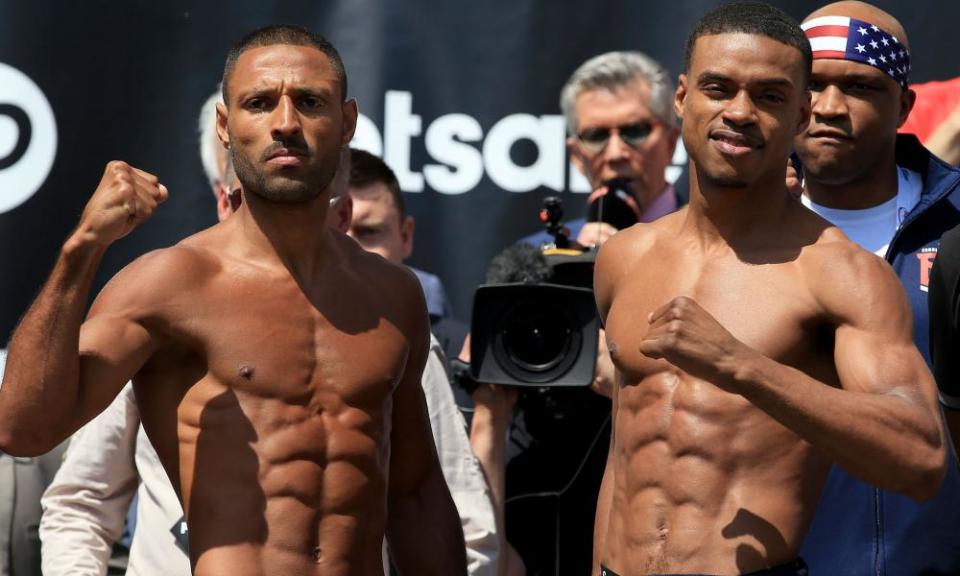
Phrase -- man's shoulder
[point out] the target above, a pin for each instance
(630, 248)
(642, 237)
(389, 283)
(845, 277)
(160, 271)
(161, 285)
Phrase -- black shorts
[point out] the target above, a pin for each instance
(795, 568)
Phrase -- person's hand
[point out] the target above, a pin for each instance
(944, 142)
(124, 199)
(595, 234)
(491, 402)
(690, 338)
(495, 402)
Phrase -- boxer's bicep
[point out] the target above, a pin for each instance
(874, 350)
(115, 340)
(112, 349)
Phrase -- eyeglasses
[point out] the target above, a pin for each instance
(633, 135)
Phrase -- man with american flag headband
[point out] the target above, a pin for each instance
(894, 198)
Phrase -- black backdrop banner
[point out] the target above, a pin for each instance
(461, 98)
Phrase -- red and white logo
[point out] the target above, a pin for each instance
(926, 257)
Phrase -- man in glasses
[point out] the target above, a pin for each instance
(622, 131)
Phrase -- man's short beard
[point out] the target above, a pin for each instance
(278, 189)
(722, 182)
(829, 173)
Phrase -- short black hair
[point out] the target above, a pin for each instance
(751, 18)
(367, 170)
(289, 35)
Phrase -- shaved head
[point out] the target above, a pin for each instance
(867, 13)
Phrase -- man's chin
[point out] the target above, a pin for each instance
(288, 192)
(726, 182)
(827, 169)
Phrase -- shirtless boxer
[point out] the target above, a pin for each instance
(754, 343)
(276, 364)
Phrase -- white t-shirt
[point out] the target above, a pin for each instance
(873, 228)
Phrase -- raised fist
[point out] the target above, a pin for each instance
(690, 338)
(124, 198)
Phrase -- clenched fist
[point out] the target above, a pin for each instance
(690, 338)
(124, 198)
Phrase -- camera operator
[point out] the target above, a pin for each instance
(537, 342)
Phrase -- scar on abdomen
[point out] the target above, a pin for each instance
(246, 372)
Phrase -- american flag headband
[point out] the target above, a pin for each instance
(845, 38)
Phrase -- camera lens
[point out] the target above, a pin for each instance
(538, 340)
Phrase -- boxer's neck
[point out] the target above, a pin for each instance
(872, 187)
(295, 234)
(736, 216)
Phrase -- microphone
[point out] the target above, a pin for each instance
(617, 206)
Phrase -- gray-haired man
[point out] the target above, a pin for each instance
(621, 126)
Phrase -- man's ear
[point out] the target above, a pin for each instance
(907, 99)
(224, 209)
(349, 113)
(406, 234)
(344, 207)
(222, 134)
(680, 95)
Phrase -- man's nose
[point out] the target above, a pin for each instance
(829, 102)
(286, 119)
(616, 148)
(740, 110)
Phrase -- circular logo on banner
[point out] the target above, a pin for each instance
(28, 138)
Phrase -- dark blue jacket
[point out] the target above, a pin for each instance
(858, 529)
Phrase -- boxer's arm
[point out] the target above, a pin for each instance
(882, 425)
(85, 507)
(49, 390)
(423, 526)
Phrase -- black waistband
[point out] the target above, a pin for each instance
(793, 568)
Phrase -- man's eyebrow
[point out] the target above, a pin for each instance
(712, 77)
(849, 78)
(321, 91)
(254, 93)
(775, 81)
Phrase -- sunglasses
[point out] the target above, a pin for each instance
(633, 135)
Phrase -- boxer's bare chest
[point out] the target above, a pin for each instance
(767, 306)
(270, 337)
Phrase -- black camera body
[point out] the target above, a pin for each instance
(535, 323)
(534, 335)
